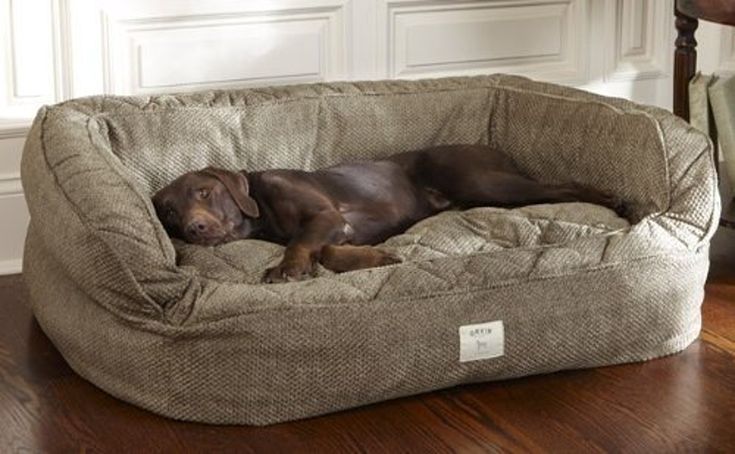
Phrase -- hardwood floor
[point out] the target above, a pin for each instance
(684, 402)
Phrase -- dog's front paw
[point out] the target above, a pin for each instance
(387, 258)
(288, 272)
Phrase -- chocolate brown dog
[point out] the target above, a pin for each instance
(333, 215)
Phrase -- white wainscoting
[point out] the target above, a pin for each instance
(219, 50)
(641, 40)
(51, 50)
(449, 38)
(140, 47)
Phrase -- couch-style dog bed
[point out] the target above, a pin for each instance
(190, 332)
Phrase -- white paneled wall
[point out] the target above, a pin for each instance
(546, 39)
(640, 39)
(51, 50)
(139, 46)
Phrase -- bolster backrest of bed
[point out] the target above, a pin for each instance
(662, 167)
(90, 165)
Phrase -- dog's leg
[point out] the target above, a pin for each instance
(509, 190)
(302, 253)
(516, 190)
(474, 179)
(346, 257)
(480, 186)
(472, 176)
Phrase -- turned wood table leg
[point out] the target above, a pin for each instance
(685, 62)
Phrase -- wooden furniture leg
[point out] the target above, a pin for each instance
(685, 62)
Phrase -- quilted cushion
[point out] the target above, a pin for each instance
(452, 233)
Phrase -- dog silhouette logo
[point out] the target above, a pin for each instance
(481, 341)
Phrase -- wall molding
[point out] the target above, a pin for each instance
(10, 185)
(14, 129)
(638, 42)
(62, 46)
(12, 266)
(558, 52)
(17, 110)
(124, 41)
(29, 52)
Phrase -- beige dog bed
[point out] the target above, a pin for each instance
(190, 332)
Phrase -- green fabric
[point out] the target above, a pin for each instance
(722, 98)
(699, 104)
(190, 333)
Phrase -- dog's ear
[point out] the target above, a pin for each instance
(238, 187)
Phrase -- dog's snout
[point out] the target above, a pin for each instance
(196, 227)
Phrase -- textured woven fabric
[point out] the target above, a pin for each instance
(190, 332)
(452, 233)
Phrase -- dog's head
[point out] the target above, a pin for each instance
(207, 207)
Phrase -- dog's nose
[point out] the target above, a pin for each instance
(196, 227)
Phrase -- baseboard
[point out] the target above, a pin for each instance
(13, 266)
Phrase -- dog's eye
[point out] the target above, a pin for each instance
(204, 193)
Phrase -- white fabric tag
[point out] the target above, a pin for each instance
(481, 341)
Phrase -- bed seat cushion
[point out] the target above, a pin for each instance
(451, 233)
